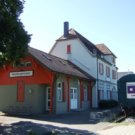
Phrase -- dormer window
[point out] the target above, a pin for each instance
(113, 60)
(94, 52)
(68, 49)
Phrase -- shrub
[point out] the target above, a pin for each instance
(106, 104)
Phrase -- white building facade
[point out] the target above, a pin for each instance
(96, 60)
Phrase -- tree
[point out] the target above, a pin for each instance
(13, 37)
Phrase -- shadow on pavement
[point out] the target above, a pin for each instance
(69, 118)
(26, 127)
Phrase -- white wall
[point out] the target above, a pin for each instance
(109, 58)
(79, 55)
(104, 77)
(59, 49)
(107, 81)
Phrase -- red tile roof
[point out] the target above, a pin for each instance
(104, 49)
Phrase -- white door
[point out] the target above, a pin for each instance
(73, 98)
(48, 100)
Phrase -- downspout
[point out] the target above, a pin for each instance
(55, 93)
(97, 80)
(117, 82)
(81, 93)
(68, 90)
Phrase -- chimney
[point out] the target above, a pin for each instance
(66, 28)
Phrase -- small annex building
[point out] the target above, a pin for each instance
(44, 83)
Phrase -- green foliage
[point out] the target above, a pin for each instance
(13, 37)
(105, 104)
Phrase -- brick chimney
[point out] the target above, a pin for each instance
(66, 28)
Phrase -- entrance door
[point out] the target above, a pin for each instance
(48, 100)
(73, 98)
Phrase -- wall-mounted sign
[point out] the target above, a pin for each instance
(21, 73)
(130, 90)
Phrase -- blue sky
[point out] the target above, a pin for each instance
(111, 22)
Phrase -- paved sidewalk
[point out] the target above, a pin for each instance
(21, 126)
(127, 127)
(69, 124)
(118, 130)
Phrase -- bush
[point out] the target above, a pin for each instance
(106, 104)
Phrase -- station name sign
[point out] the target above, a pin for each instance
(21, 73)
(130, 90)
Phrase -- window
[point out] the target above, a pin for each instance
(68, 49)
(100, 94)
(94, 52)
(101, 68)
(85, 93)
(59, 94)
(23, 64)
(108, 94)
(100, 90)
(20, 91)
(107, 71)
(73, 93)
(113, 60)
(114, 93)
(113, 74)
(108, 90)
(61, 91)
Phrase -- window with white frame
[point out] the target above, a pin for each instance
(108, 90)
(85, 93)
(100, 94)
(101, 90)
(59, 91)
